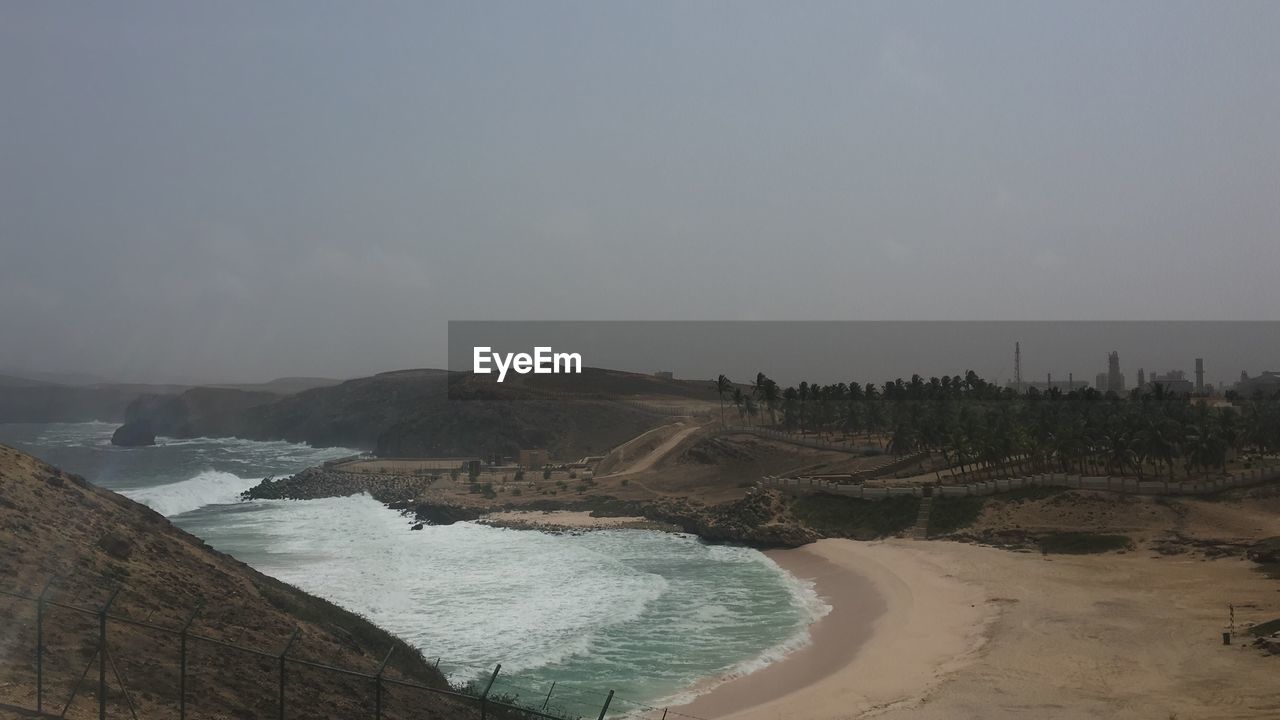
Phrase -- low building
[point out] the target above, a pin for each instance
(665, 375)
(1174, 381)
(534, 458)
(1267, 383)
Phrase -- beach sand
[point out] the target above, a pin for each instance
(941, 630)
(565, 520)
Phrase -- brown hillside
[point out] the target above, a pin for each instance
(94, 541)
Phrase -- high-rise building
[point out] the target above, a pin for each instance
(1115, 380)
(1199, 376)
(1142, 378)
(1100, 382)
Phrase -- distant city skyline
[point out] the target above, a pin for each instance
(833, 351)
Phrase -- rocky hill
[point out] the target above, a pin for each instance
(28, 402)
(433, 412)
(202, 411)
(35, 400)
(56, 525)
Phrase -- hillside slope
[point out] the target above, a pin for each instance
(53, 524)
(434, 412)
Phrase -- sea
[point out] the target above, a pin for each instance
(654, 616)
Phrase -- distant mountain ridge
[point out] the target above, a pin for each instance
(32, 399)
(430, 413)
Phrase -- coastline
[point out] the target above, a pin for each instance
(976, 631)
(888, 600)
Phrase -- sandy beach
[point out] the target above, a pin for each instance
(555, 520)
(942, 630)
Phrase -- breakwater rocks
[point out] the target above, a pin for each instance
(438, 513)
(759, 520)
(134, 434)
(319, 482)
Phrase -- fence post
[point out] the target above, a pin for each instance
(102, 655)
(605, 709)
(544, 702)
(40, 643)
(484, 697)
(182, 664)
(284, 652)
(377, 685)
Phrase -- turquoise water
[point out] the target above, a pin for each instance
(647, 614)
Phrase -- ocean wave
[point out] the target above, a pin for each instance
(211, 487)
(805, 598)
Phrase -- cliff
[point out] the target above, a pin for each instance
(53, 524)
(201, 411)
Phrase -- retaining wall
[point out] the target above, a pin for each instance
(1243, 478)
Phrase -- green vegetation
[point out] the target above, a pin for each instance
(840, 516)
(1083, 543)
(977, 425)
(950, 514)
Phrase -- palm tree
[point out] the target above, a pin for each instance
(723, 387)
(738, 400)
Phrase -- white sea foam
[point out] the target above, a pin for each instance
(211, 487)
(649, 614)
(805, 598)
(472, 594)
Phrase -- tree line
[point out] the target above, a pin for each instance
(971, 422)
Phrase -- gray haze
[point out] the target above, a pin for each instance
(237, 191)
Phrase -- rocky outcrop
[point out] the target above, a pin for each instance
(202, 411)
(1265, 551)
(134, 434)
(438, 513)
(759, 520)
(320, 482)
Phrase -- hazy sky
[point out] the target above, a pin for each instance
(239, 191)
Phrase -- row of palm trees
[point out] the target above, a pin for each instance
(972, 423)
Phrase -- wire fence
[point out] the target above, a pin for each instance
(196, 668)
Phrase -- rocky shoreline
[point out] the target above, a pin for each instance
(759, 520)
